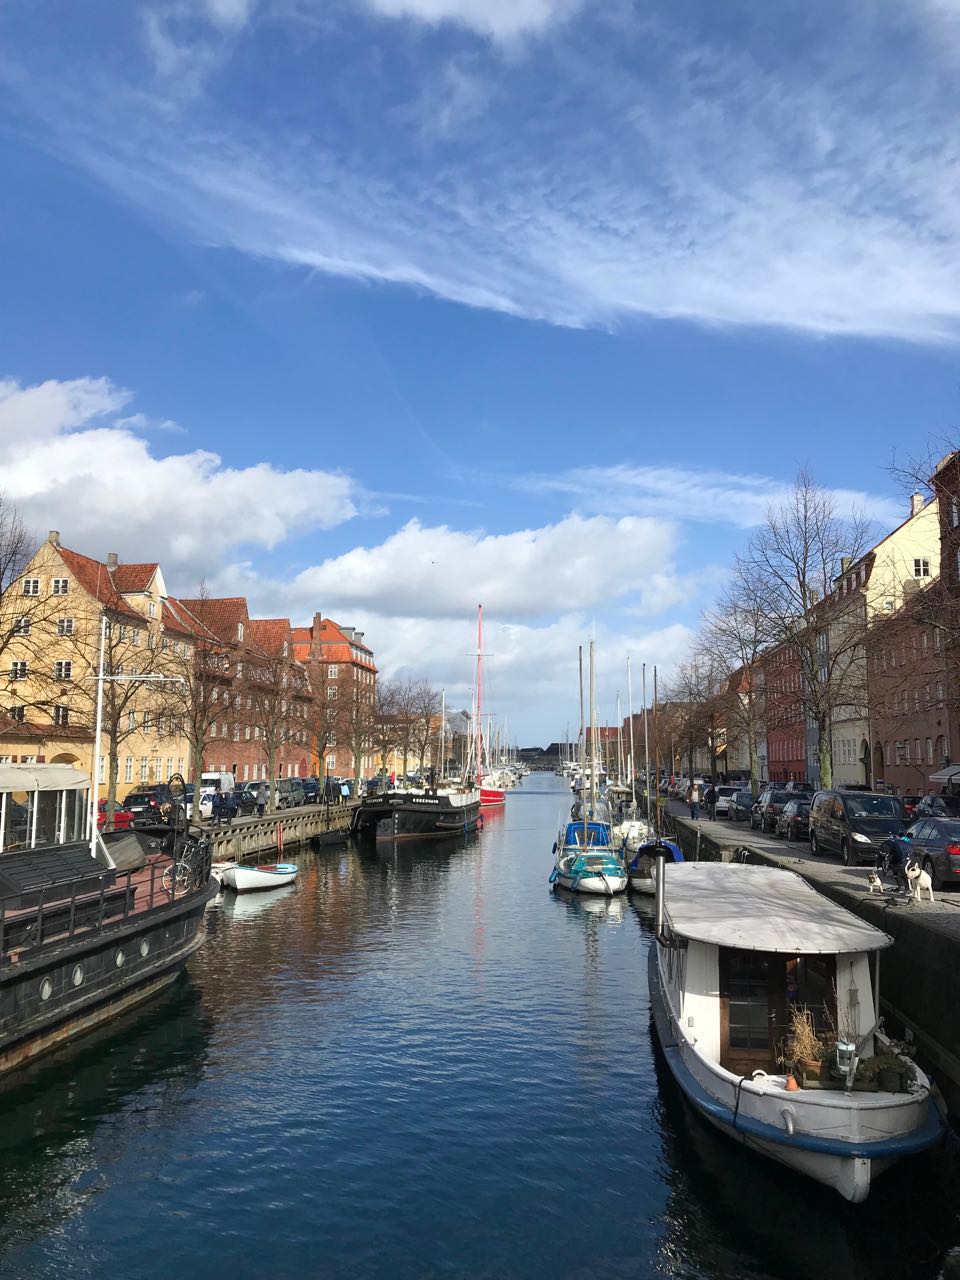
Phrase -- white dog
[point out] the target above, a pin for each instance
(920, 880)
(875, 883)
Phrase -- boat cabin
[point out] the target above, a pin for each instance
(584, 835)
(41, 805)
(747, 945)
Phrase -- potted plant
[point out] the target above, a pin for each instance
(803, 1047)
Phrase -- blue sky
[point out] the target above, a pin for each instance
(382, 307)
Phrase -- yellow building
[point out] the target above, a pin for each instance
(52, 616)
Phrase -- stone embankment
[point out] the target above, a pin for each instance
(919, 974)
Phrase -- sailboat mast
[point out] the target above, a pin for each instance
(478, 731)
(630, 715)
(443, 720)
(656, 748)
(619, 741)
(593, 734)
(583, 741)
(646, 750)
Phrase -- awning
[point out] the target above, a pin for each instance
(950, 774)
(42, 777)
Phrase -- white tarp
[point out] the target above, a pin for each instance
(755, 908)
(950, 774)
(42, 777)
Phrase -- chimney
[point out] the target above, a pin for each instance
(916, 504)
(845, 563)
(112, 560)
(53, 537)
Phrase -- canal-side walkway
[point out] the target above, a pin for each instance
(920, 974)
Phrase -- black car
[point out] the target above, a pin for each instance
(937, 807)
(242, 801)
(768, 808)
(853, 823)
(935, 844)
(153, 803)
(741, 806)
(806, 787)
(311, 790)
(793, 820)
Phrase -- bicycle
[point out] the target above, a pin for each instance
(185, 871)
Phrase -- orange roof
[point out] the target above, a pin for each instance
(220, 616)
(270, 634)
(134, 577)
(96, 580)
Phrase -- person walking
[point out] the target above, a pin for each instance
(261, 799)
(216, 809)
(710, 800)
(693, 800)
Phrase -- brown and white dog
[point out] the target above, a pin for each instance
(875, 883)
(920, 880)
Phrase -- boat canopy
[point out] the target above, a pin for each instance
(597, 812)
(586, 834)
(755, 908)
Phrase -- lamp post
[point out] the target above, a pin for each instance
(101, 680)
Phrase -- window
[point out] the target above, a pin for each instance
(936, 639)
(136, 638)
(898, 748)
(926, 696)
(954, 512)
(246, 734)
(886, 753)
(883, 659)
(236, 733)
(128, 769)
(180, 764)
(916, 750)
(59, 586)
(31, 586)
(239, 671)
(146, 722)
(144, 767)
(102, 770)
(906, 751)
(331, 692)
(61, 714)
(214, 694)
(939, 693)
(921, 568)
(169, 766)
(123, 631)
(131, 719)
(929, 751)
(893, 659)
(332, 671)
(18, 670)
(213, 729)
(331, 763)
(22, 626)
(916, 699)
(17, 713)
(239, 630)
(64, 626)
(888, 606)
(152, 609)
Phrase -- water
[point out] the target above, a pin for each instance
(419, 1063)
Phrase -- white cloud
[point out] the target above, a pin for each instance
(501, 19)
(105, 489)
(440, 572)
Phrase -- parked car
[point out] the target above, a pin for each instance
(724, 796)
(311, 790)
(153, 803)
(289, 793)
(741, 806)
(807, 787)
(853, 823)
(122, 818)
(767, 809)
(935, 844)
(793, 820)
(244, 801)
(938, 807)
(909, 804)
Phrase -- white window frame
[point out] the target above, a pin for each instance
(59, 586)
(19, 669)
(31, 587)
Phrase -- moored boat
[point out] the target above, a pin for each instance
(585, 860)
(421, 814)
(743, 953)
(642, 867)
(249, 879)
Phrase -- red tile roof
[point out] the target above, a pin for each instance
(133, 577)
(270, 634)
(95, 579)
(221, 616)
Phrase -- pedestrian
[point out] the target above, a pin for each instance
(693, 800)
(216, 808)
(261, 799)
(710, 800)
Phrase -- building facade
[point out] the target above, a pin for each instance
(343, 676)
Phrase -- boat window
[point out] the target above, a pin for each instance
(748, 975)
(47, 816)
(18, 820)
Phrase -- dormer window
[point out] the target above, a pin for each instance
(286, 649)
(239, 630)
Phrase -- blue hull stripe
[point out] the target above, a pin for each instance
(927, 1135)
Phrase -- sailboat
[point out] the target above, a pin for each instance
(586, 861)
(492, 794)
(642, 866)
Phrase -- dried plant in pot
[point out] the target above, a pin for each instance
(803, 1047)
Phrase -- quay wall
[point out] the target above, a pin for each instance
(249, 837)
(919, 974)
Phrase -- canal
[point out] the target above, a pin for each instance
(419, 1062)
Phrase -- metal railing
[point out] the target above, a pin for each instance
(64, 912)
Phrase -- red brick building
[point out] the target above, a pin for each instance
(343, 676)
(786, 720)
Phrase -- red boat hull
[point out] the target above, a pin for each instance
(490, 796)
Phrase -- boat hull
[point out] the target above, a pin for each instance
(425, 816)
(258, 879)
(154, 947)
(605, 885)
(492, 797)
(833, 1138)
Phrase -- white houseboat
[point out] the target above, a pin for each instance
(740, 951)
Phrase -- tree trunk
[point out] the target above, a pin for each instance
(272, 780)
(113, 773)
(823, 753)
(754, 760)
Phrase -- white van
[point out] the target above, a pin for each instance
(210, 782)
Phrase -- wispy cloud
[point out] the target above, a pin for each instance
(688, 493)
(619, 168)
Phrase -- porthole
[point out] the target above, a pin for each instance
(46, 989)
(77, 976)
(144, 946)
(119, 958)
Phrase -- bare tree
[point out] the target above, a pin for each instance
(202, 665)
(733, 637)
(426, 718)
(271, 681)
(792, 561)
(324, 723)
(694, 694)
(385, 721)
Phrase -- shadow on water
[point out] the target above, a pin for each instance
(55, 1150)
(796, 1228)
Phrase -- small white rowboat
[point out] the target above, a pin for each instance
(267, 876)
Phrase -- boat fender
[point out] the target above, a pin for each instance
(789, 1116)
